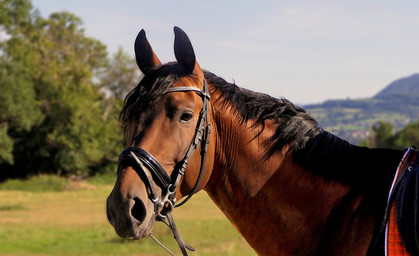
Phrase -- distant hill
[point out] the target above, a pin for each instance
(403, 86)
(397, 103)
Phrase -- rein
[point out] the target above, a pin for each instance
(152, 172)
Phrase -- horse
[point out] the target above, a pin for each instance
(287, 185)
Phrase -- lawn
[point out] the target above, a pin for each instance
(72, 221)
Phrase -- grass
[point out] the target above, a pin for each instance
(68, 218)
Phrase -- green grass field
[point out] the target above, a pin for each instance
(39, 217)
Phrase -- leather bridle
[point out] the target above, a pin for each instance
(152, 172)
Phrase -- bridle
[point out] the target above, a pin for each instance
(144, 163)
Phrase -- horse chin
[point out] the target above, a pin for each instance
(134, 230)
(126, 224)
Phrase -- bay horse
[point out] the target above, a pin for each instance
(288, 186)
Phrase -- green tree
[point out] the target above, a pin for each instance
(117, 79)
(121, 75)
(381, 136)
(52, 110)
(14, 14)
(67, 95)
(408, 136)
(18, 107)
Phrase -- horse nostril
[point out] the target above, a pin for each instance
(138, 210)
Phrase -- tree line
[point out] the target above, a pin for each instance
(382, 135)
(60, 95)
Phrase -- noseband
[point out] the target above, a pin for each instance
(144, 163)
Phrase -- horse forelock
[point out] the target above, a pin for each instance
(151, 87)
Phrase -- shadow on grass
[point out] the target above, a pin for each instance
(11, 207)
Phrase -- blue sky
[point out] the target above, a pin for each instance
(306, 51)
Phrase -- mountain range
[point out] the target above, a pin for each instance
(352, 119)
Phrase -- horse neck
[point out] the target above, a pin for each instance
(287, 205)
(335, 159)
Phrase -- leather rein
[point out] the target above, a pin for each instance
(152, 172)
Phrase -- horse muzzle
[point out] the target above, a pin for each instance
(130, 212)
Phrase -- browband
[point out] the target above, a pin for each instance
(190, 88)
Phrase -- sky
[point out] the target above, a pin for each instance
(305, 51)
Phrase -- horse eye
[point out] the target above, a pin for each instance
(186, 117)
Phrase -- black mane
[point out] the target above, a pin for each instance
(321, 152)
(295, 125)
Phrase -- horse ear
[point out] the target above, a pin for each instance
(184, 52)
(146, 58)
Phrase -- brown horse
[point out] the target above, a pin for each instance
(289, 187)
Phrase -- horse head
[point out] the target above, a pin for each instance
(166, 123)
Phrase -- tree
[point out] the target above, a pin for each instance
(13, 15)
(121, 75)
(66, 93)
(382, 136)
(52, 110)
(117, 79)
(18, 107)
(408, 136)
